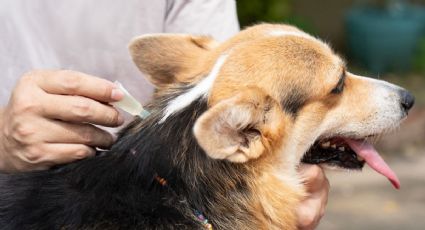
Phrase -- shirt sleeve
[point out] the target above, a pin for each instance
(216, 18)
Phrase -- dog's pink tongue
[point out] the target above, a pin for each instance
(373, 159)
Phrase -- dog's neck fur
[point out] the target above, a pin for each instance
(231, 195)
(118, 189)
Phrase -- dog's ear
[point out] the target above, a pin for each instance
(165, 58)
(242, 127)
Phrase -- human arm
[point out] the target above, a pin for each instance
(49, 119)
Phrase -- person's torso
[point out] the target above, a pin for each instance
(90, 36)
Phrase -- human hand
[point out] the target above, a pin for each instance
(49, 118)
(312, 208)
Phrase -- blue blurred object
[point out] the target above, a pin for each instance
(385, 39)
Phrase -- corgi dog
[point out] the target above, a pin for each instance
(229, 124)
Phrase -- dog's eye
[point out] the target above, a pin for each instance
(338, 89)
(340, 85)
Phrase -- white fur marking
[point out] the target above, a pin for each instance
(202, 88)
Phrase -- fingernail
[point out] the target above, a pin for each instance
(114, 138)
(120, 119)
(92, 152)
(117, 94)
(111, 141)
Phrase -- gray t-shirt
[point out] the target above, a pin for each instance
(91, 36)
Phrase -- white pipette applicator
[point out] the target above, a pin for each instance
(129, 104)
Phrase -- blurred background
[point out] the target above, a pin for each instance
(384, 39)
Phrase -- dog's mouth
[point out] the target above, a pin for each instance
(334, 152)
(349, 153)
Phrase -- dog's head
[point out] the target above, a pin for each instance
(274, 90)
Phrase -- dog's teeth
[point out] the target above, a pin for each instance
(326, 144)
(333, 146)
(342, 148)
(360, 158)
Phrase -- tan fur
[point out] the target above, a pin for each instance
(247, 121)
(275, 202)
(243, 127)
(184, 54)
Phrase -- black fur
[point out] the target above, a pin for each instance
(293, 101)
(117, 190)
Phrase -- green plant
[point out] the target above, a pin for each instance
(254, 11)
(420, 57)
(272, 11)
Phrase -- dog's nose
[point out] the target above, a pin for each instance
(407, 100)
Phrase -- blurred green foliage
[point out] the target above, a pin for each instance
(273, 11)
(254, 11)
(420, 57)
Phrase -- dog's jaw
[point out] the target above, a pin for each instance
(296, 70)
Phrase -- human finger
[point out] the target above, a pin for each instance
(45, 155)
(60, 153)
(313, 176)
(72, 133)
(309, 213)
(81, 109)
(67, 82)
